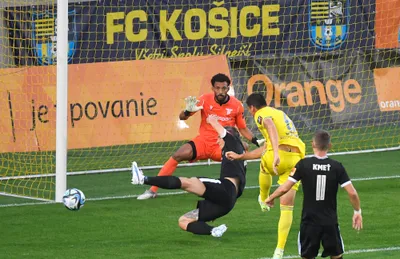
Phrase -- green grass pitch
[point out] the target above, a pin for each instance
(127, 228)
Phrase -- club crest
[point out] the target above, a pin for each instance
(44, 37)
(328, 23)
(259, 120)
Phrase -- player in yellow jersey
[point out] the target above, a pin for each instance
(282, 150)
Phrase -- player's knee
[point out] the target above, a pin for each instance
(189, 184)
(179, 157)
(185, 182)
(184, 153)
(337, 257)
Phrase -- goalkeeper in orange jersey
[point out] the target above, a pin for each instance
(230, 112)
(282, 150)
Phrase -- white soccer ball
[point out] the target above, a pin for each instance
(73, 199)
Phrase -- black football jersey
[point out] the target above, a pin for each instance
(235, 168)
(320, 177)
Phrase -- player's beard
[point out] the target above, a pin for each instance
(220, 98)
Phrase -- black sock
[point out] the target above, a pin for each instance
(165, 182)
(199, 228)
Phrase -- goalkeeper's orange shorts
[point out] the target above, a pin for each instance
(205, 149)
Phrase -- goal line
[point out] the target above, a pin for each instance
(209, 162)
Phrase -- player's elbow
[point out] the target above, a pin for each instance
(353, 195)
(351, 190)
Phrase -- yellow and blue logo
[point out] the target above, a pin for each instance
(328, 23)
(44, 37)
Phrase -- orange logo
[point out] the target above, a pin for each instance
(387, 24)
(299, 94)
(387, 81)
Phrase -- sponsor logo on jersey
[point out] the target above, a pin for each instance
(259, 120)
(222, 118)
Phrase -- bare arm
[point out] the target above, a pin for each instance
(272, 132)
(245, 132)
(353, 196)
(355, 202)
(273, 136)
(213, 121)
(284, 188)
(254, 154)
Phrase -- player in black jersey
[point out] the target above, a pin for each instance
(320, 177)
(219, 194)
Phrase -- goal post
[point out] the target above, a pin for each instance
(62, 99)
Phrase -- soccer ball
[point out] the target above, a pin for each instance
(73, 199)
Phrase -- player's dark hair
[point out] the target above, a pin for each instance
(322, 139)
(220, 78)
(257, 100)
(233, 131)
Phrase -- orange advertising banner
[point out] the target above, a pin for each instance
(110, 103)
(387, 24)
(387, 81)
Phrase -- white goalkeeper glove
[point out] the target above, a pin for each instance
(191, 104)
(257, 142)
(260, 141)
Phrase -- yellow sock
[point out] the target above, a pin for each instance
(284, 225)
(265, 182)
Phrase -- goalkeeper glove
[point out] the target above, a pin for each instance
(257, 142)
(191, 104)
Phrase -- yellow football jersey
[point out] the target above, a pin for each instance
(287, 132)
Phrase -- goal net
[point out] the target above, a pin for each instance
(328, 64)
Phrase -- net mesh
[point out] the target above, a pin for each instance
(327, 64)
(25, 125)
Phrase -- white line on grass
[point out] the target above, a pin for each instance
(360, 251)
(175, 193)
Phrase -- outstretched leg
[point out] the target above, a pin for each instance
(192, 185)
(184, 153)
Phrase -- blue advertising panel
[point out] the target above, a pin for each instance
(113, 30)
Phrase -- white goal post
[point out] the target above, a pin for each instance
(62, 99)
